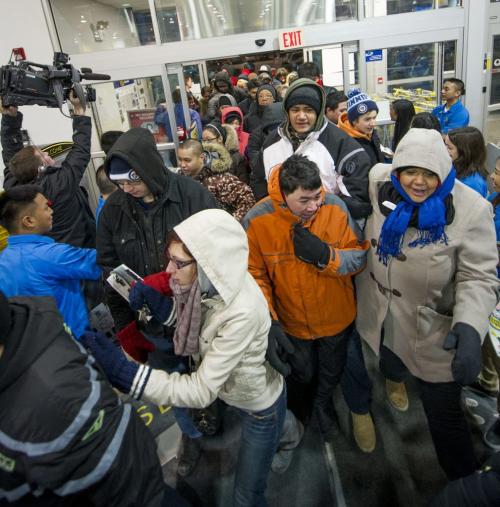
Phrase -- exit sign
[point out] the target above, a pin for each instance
(292, 39)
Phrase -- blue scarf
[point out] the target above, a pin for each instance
(431, 220)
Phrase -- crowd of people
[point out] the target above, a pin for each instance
(287, 236)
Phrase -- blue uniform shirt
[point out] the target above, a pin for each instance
(456, 117)
(477, 183)
(35, 265)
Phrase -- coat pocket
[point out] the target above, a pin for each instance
(127, 248)
(432, 327)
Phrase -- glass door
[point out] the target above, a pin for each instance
(491, 127)
(337, 63)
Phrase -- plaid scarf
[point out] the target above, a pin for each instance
(187, 330)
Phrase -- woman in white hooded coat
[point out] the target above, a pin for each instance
(223, 321)
(429, 286)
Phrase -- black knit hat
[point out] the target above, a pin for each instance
(270, 88)
(308, 95)
(5, 319)
(232, 115)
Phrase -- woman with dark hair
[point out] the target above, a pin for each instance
(223, 321)
(428, 288)
(468, 153)
(402, 112)
(425, 121)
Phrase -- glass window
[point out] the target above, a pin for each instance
(121, 105)
(407, 62)
(84, 26)
(182, 20)
(412, 72)
(374, 8)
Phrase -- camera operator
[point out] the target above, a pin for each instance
(73, 222)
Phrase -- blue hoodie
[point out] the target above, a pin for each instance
(35, 265)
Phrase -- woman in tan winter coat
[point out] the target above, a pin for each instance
(429, 286)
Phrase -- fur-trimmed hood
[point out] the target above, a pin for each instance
(218, 159)
(232, 143)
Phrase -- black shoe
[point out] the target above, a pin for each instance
(189, 454)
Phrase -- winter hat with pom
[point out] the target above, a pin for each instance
(359, 103)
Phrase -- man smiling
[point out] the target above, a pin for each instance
(342, 163)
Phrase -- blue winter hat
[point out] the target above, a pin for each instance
(119, 169)
(359, 103)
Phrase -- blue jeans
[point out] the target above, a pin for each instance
(163, 358)
(260, 436)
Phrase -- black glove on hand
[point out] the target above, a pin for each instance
(466, 364)
(278, 348)
(309, 248)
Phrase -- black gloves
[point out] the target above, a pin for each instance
(466, 364)
(278, 348)
(309, 248)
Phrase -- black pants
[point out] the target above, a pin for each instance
(449, 431)
(317, 366)
(355, 382)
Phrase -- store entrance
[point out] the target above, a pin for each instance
(290, 60)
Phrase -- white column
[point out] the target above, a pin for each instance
(475, 47)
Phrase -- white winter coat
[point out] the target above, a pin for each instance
(235, 325)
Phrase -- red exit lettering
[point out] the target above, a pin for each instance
(292, 39)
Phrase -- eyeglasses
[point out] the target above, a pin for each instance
(180, 264)
(121, 184)
(211, 140)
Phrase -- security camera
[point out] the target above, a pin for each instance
(260, 42)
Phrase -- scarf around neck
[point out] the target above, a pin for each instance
(431, 220)
(187, 330)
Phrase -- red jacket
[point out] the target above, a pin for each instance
(242, 135)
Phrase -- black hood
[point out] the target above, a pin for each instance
(223, 76)
(273, 115)
(35, 324)
(138, 148)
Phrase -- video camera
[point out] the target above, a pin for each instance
(27, 83)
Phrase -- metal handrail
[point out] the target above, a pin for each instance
(159, 147)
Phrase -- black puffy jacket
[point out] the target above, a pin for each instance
(65, 437)
(73, 221)
(128, 233)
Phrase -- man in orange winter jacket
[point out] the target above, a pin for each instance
(304, 250)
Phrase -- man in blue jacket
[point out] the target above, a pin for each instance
(33, 264)
(452, 114)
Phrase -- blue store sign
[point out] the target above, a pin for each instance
(374, 55)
